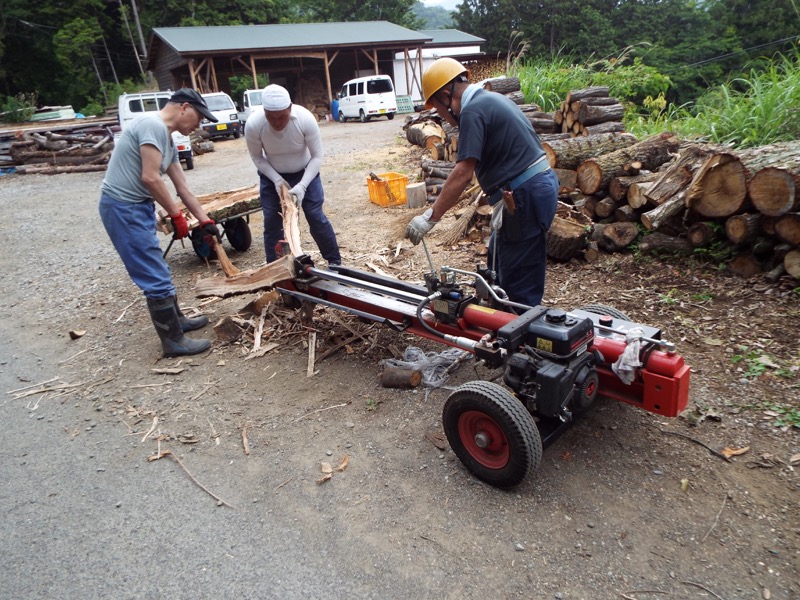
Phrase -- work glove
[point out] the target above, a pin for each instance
(179, 226)
(419, 226)
(298, 192)
(210, 231)
(279, 184)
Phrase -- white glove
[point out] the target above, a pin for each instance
(419, 226)
(298, 192)
(280, 183)
(628, 362)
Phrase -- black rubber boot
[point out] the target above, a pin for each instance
(189, 324)
(168, 326)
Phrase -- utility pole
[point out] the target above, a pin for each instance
(139, 29)
(124, 11)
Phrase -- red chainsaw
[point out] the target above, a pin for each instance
(554, 362)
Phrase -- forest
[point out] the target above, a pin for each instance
(86, 52)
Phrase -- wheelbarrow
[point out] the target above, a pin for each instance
(230, 209)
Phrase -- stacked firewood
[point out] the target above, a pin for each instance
(434, 173)
(589, 111)
(75, 148)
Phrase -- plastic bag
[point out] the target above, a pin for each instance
(435, 367)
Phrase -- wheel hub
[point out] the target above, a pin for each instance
(481, 440)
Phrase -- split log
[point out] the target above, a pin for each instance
(701, 234)
(291, 221)
(775, 187)
(654, 218)
(614, 237)
(400, 378)
(596, 173)
(425, 134)
(570, 153)
(587, 206)
(787, 228)
(618, 186)
(745, 265)
(252, 280)
(720, 187)
(637, 194)
(791, 262)
(742, 229)
(565, 239)
(658, 242)
(679, 174)
(217, 205)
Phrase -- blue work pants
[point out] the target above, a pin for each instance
(132, 229)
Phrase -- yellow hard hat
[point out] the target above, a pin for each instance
(441, 72)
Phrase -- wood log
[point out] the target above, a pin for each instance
(614, 237)
(252, 280)
(600, 128)
(626, 213)
(502, 85)
(605, 207)
(400, 378)
(425, 134)
(763, 248)
(567, 180)
(745, 265)
(618, 186)
(637, 194)
(291, 221)
(742, 229)
(438, 173)
(575, 105)
(775, 187)
(227, 266)
(791, 262)
(551, 137)
(571, 152)
(701, 234)
(768, 224)
(593, 114)
(720, 186)
(787, 228)
(653, 219)
(591, 253)
(596, 173)
(543, 126)
(56, 170)
(776, 273)
(427, 164)
(589, 92)
(679, 173)
(227, 330)
(587, 206)
(517, 98)
(658, 242)
(565, 239)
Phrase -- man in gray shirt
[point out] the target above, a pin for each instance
(132, 185)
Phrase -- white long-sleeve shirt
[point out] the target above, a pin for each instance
(297, 147)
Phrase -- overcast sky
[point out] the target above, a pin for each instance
(445, 4)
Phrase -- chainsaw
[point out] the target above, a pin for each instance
(554, 363)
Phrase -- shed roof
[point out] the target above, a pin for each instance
(450, 37)
(236, 38)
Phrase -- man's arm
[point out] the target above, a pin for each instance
(151, 178)
(252, 135)
(190, 201)
(314, 145)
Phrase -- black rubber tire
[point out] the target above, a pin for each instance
(362, 116)
(390, 116)
(342, 118)
(602, 309)
(203, 250)
(236, 135)
(190, 163)
(514, 447)
(238, 233)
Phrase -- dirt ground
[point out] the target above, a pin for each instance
(625, 505)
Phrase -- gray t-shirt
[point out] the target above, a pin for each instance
(123, 180)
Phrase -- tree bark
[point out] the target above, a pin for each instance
(680, 172)
(614, 237)
(565, 239)
(593, 114)
(596, 173)
(654, 218)
(618, 187)
(605, 207)
(400, 378)
(502, 85)
(425, 134)
(589, 92)
(637, 194)
(570, 153)
(659, 242)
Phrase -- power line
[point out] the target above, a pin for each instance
(716, 58)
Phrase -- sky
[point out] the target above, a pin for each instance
(446, 4)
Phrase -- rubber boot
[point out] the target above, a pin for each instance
(189, 324)
(168, 326)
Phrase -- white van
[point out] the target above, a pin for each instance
(367, 97)
(133, 105)
(251, 99)
(222, 107)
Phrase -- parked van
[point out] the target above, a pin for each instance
(222, 107)
(367, 97)
(251, 99)
(133, 105)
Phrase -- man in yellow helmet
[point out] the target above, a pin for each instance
(498, 145)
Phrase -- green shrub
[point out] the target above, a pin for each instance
(19, 108)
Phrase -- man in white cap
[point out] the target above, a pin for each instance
(285, 145)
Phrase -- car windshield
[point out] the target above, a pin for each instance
(219, 103)
(379, 86)
(255, 98)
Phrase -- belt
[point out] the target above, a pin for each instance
(535, 168)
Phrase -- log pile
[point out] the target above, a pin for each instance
(61, 149)
(589, 111)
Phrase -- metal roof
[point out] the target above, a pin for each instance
(450, 37)
(233, 38)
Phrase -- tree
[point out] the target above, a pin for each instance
(395, 11)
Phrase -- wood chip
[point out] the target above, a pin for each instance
(343, 465)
